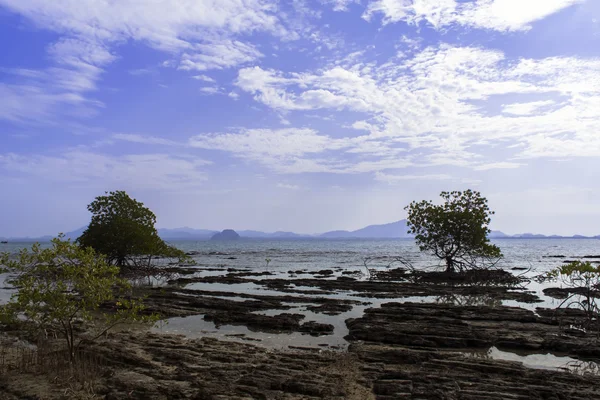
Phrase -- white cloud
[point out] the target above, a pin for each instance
(44, 95)
(436, 12)
(284, 121)
(204, 78)
(283, 150)
(199, 32)
(218, 55)
(30, 104)
(80, 53)
(198, 35)
(210, 90)
(388, 178)
(581, 144)
(499, 15)
(339, 5)
(510, 15)
(442, 105)
(170, 25)
(136, 171)
(268, 142)
(526, 108)
(142, 139)
(437, 105)
(498, 165)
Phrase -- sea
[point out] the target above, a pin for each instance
(285, 258)
(280, 256)
(539, 255)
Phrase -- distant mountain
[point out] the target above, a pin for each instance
(497, 235)
(336, 234)
(274, 235)
(46, 238)
(227, 234)
(73, 235)
(528, 236)
(281, 234)
(185, 233)
(253, 234)
(394, 230)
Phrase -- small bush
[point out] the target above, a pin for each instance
(582, 280)
(68, 290)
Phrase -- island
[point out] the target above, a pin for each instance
(227, 234)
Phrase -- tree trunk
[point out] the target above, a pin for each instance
(450, 264)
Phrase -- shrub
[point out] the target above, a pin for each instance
(61, 286)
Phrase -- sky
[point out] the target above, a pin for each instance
(299, 115)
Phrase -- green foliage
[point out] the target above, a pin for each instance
(582, 280)
(455, 231)
(61, 286)
(581, 273)
(123, 230)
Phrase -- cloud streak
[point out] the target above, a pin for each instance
(87, 169)
(498, 15)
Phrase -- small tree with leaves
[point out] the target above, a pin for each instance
(456, 231)
(65, 284)
(582, 283)
(123, 229)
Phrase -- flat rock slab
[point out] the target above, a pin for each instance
(459, 327)
(175, 368)
(436, 351)
(396, 372)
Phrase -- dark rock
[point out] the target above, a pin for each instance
(439, 326)
(316, 328)
(257, 322)
(324, 272)
(298, 272)
(563, 293)
(330, 308)
(390, 274)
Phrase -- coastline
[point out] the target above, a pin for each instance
(430, 339)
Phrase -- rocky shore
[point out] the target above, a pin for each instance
(459, 341)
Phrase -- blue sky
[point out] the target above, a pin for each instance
(302, 115)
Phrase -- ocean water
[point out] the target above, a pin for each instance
(315, 254)
(311, 254)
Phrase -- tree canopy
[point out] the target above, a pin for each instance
(66, 283)
(122, 229)
(455, 231)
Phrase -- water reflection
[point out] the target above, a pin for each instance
(548, 361)
(487, 300)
